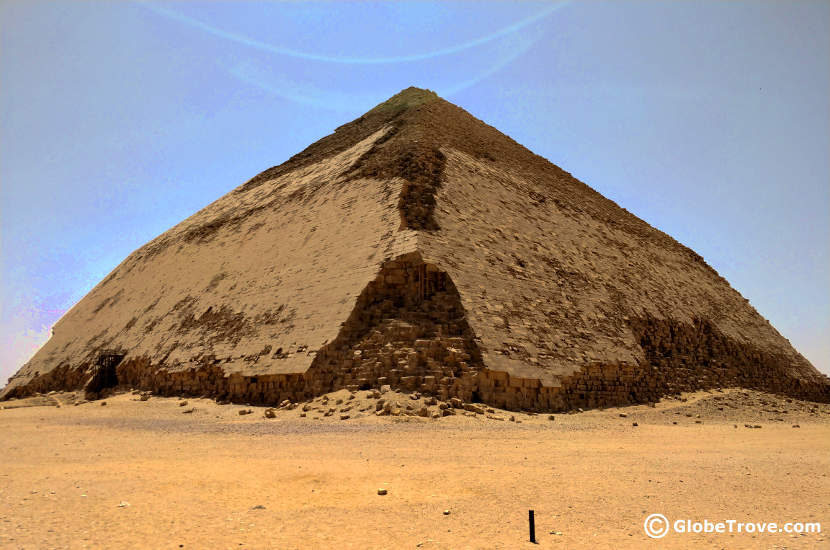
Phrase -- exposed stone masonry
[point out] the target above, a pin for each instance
(407, 330)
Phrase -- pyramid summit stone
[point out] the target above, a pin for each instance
(419, 248)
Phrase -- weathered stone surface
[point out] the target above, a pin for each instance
(420, 249)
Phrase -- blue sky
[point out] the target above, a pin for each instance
(710, 120)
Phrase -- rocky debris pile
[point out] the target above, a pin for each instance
(351, 404)
(749, 407)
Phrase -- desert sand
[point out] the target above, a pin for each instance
(162, 473)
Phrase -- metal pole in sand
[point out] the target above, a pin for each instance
(532, 523)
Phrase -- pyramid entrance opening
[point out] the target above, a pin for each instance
(105, 374)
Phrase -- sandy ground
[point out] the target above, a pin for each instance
(159, 474)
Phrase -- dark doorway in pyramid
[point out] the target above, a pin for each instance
(105, 375)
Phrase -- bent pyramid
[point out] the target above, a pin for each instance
(417, 247)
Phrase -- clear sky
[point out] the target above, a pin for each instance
(710, 120)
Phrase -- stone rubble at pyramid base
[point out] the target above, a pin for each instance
(600, 387)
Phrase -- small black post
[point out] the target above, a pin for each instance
(532, 523)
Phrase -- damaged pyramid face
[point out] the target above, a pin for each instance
(417, 247)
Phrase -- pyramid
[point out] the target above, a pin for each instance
(417, 247)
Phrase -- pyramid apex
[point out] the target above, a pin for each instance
(405, 99)
(414, 93)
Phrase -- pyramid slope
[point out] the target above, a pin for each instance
(558, 295)
(418, 246)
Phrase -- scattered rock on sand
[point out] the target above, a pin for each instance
(469, 407)
(381, 491)
(270, 413)
(245, 411)
(182, 403)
